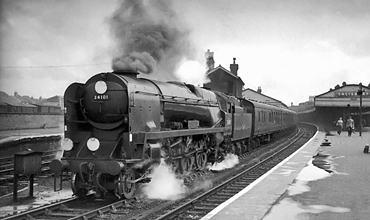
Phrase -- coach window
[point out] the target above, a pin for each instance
(270, 116)
(259, 116)
(265, 116)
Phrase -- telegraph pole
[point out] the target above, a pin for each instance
(359, 92)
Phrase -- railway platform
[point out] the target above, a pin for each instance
(15, 135)
(328, 178)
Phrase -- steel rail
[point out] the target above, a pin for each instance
(38, 211)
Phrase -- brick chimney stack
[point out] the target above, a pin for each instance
(259, 90)
(234, 67)
(209, 60)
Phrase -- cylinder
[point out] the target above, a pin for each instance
(115, 167)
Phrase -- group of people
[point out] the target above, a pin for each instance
(350, 125)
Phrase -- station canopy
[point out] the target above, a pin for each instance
(344, 96)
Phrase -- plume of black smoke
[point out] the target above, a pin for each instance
(149, 37)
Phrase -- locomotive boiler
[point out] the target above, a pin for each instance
(118, 126)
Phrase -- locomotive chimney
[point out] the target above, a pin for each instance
(127, 72)
(234, 67)
(209, 60)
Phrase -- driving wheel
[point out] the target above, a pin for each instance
(126, 187)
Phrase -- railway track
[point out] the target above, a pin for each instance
(193, 206)
(72, 208)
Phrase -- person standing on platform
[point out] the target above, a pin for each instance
(339, 125)
(350, 125)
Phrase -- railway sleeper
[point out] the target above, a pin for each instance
(215, 200)
(58, 214)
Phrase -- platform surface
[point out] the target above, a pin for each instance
(317, 182)
(14, 135)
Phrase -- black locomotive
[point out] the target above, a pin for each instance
(118, 125)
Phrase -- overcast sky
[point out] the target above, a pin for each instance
(293, 49)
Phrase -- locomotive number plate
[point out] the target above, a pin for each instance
(101, 97)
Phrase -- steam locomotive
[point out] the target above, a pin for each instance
(118, 126)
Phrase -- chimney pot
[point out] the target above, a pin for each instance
(209, 60)
(259, 90)
(234, 67)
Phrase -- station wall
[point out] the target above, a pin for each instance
(30, 121)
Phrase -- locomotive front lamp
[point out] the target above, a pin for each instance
(67, 144)
(101, 87)
(93, 144)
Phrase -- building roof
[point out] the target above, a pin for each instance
(275, 101)
(48, 104)
(301, 109)
(337, 88)
(55, 98)
(226, 71)
(11, 100)
(26, 101)
(18, 104)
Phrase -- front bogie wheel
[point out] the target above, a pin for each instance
(76, 183)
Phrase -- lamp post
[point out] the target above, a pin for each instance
(359, 92)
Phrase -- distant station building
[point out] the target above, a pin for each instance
(344, 101)
(27, 105)
(223, 80)
(53, 105)
(259, 97)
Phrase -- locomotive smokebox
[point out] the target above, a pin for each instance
(127, 72)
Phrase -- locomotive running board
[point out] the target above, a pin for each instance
(140, 137)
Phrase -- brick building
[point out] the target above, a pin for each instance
(223, 80)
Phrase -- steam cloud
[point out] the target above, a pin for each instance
(164, 184)
(230, 161)
(149, 37)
